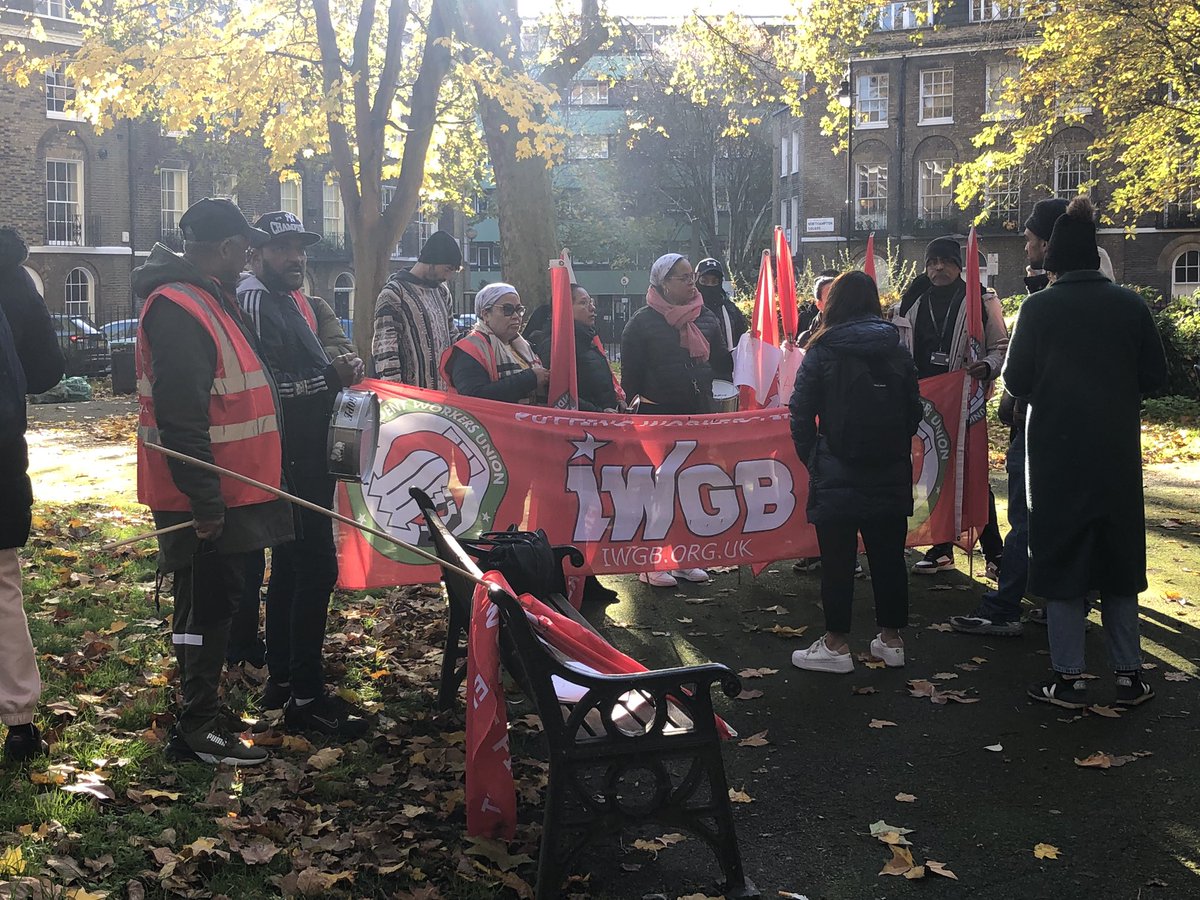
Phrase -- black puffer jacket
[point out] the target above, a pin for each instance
(592, 371)
(30, 361)
(654, 365)
(840, 490)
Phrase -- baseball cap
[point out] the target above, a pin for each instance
(708, 266)
(215, 220)
(280, 223)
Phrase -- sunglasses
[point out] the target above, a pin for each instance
(511, 309)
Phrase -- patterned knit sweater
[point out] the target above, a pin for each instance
(412, 330)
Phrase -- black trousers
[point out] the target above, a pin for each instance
(245, 644)
(991, 544)
(206, 594)
(884, 542)
(303, 574)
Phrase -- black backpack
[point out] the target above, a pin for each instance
(525, 559)
(865, 414)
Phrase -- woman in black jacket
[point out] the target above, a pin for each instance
(668, 352)
(30, 362)
(860, 382)
(594, 376)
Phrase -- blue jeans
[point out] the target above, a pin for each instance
(1004, 603)
(1066, 621)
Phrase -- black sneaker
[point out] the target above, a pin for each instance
(1132, 690)
(215, 748)
(1060, 692)
(328, 715)
(980, 622)
(275, 696)
(23, 743)
(806, 564)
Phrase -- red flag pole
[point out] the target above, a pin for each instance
(564, 383)
(785, 285)
(869, 262)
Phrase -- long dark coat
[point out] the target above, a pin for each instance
(1083, 353)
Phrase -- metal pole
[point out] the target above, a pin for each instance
(849, 153)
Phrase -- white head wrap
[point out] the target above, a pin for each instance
(663, 266)
(490, 294)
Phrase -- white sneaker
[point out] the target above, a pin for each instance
(698, 576)
(819, 658)
(658, 579)
(892, 656)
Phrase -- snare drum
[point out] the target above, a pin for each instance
(725, 396)
(353, 435)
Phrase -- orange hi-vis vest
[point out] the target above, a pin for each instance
(306, 309)
(476, 346)
(243, 426)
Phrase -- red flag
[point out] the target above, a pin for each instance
(564, 383)
(785, 283)
(756, 363)
(975, 461)
(869, 262)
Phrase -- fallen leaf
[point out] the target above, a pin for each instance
(939, 868)
(894, 838)
(914, 873)
(749, 695)
(497, 853)
(258, 852)
(906, 798)
(325, 758)
(900, 862)
(881, 827)
(864, 690)
(944, 676)
(880, 723)
(684, 621)
(995, 748)
(1102, 760)
(757, 673)
(740, 796)
(1177, 676)
(940, 626)
(787, 630)
(1046, 851)
(1106, 711)
(696, 601)
(755, 740)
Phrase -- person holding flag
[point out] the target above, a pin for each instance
(599, 391)
(932, 318)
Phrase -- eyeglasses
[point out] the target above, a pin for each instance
(690, 276)
(511, 309)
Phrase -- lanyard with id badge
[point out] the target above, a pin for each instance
(940, 358)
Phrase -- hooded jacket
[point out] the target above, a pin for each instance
(30, 362)
(184, 361)
(732, 326)
(841, 490)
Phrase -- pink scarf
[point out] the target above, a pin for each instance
(682, 319)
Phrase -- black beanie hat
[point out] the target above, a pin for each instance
(1073, 240)
(1045, 214)
(944, 248)
(441, 250)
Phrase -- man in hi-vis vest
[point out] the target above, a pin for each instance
(204, 391)
(303, 571)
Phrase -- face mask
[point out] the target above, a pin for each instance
(711, 292)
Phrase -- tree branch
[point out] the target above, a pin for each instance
(339, 138)
(573, 57)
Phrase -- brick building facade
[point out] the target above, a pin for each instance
(91, 205)
(915, 108)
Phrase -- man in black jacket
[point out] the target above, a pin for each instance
(303, 571)
(30, 362)
(710, 282)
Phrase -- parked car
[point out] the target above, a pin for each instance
(463, 323)
(84, 346)
(120, 333)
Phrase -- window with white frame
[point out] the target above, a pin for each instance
(588, 146)
(1001, 76)
(795, 213)
(795, 151)
(934, 196)
(785, 149)
(78, 294)
(995, 10)
(1002, 199)
(784, 210)
(173, 190)
(56, 9)
(1072, 169)
(872, 101)
(1185, 274)
(643, 39)
(291, 195)
(60, 94)
(937, 96)
(901, 16)
(531, 39)
(1184, 210)
(333, 221)
(870, 196)
(589, 93)
(64, 202)
(426, 222)
(343, 296)
(226, 186)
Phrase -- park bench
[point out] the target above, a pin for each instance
(625, 751)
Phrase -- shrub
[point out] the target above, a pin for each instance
(1178, 321)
